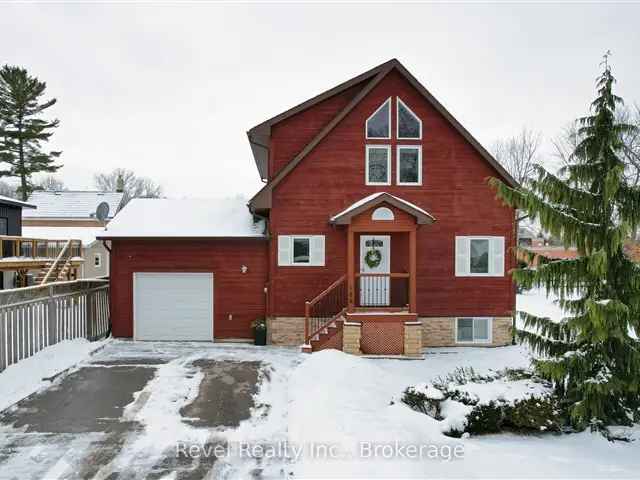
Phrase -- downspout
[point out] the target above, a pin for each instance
(108, 249)
(267, 286)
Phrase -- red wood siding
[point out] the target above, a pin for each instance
(454, 190)
(305, 125)
(237, 294)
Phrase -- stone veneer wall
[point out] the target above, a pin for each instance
(351, 338)
(440, 332)
(413, 339)
(285, 331)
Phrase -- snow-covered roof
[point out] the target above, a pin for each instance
(87, 235)
(154, 217)
(71, 204)
(379, 197)
(14, 202)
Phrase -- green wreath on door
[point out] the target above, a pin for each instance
(373, 258)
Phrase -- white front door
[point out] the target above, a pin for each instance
(375, 257)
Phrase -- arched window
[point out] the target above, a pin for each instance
(382, 213)
(379, 123)
(409, 125)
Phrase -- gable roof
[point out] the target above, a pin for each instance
(72, 204)
(345, 216)
(259, 136)
(12, 202)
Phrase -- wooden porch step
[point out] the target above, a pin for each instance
(326, 338)
(381, 316)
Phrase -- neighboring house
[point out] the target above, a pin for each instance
(526, 236)
(382, 235)
(63, 215)
(10, 225)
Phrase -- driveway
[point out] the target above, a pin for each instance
(151, 410)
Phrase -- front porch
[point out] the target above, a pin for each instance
(372, 309)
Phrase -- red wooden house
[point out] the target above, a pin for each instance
(375, 232)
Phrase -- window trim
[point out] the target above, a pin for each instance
(292, 261)
(489, 340)
(409, 147)
(366, 122)
(97, 256)
(468, 239)
(314, 259)
(398, 102)
(366, 165)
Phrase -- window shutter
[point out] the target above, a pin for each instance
(284, 250)
(462, 256)
(497, 257)
(317, 250)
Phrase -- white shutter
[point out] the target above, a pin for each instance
(462, 256)
(317, 250)
(496, 260)
(284, 250)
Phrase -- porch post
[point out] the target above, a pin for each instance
(412, 271)
(350, 269)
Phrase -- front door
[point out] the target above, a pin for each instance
(375, 257)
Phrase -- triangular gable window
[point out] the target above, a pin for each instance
(409, 125)
(379, 123)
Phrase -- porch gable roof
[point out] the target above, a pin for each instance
(345, 216)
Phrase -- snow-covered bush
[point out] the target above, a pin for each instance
(466, 402)
(424, 398)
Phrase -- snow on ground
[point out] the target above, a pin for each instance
(30, 375)
(339, 416)
(345, 402)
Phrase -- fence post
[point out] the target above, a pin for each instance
(3, 341)
(51, 317)
(90, 315)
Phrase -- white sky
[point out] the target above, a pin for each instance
(169, 91)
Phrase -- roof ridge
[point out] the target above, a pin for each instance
(262, 199)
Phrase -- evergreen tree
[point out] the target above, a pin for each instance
(22, 130)
(593, 354)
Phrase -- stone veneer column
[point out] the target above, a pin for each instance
(413, 339)
(351, 333)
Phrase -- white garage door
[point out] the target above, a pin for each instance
(173, 306)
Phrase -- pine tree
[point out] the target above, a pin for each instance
(22, 130)
(593, 354)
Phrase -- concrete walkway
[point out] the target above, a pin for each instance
(114, 416)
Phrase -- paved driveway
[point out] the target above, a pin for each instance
(145, 410)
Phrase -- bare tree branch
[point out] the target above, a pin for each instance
(519, 154)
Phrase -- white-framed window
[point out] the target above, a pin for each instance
(378, 165)
(301, 250)
(409, 165)
(479, 256)
(473, 329)
(408, 125)
(378, 125)
(97, 260)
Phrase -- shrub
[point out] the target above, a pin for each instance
(488, 418)
(533, 414)
(424, 399)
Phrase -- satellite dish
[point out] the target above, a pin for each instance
(102, 212)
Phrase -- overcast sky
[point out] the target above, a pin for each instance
(169, 91)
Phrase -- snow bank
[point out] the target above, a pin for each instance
(30, 375)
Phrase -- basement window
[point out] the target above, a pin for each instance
(473, 330)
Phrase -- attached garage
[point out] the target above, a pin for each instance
(188, 270)
(173, 306)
